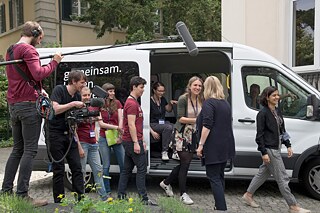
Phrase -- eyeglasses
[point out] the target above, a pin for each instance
(161, 91)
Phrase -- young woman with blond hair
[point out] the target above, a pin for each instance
(216, 144)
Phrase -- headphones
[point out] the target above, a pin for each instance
(36, 32)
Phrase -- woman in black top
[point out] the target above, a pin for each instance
(216, 145)
(271, 134)
(159, 128)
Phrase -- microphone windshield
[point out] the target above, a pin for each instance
(97, 102)
(187, 38)
(99, 92)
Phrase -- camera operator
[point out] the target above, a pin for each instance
(89, 148)
(24, 86)
(61, 135)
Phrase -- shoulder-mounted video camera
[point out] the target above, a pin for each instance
(84, 114)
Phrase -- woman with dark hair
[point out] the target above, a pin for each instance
(159, 128)
(188, 108)
(271, 134)
(111, 118)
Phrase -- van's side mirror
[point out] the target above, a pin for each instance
(312, 107)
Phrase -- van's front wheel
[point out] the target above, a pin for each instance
(311, 178)
(68, 180)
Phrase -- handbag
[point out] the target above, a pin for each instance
(112, 136)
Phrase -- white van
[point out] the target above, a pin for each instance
(238, 67)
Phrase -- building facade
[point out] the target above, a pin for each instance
(55, 18)
(289, 30)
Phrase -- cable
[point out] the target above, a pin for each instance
(47, 140)
(46, 111)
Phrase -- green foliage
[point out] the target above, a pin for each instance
(3, 87)
(169, 205)
(4, 120)
(87, 204)
(16, 204)
(202, 17)
(6, 143)
(141, 19)
(304, 39)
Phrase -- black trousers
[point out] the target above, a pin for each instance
(132, 159)
(59, 143)
(181, 171)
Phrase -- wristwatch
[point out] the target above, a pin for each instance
(200, 144)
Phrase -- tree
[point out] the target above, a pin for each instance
(4, 119)
(140, 18)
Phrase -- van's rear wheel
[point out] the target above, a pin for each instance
(68, 180)
(311, 178)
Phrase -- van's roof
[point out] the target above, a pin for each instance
(239, 51)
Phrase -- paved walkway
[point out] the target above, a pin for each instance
(268, 196)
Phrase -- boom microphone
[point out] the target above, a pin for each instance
(99, 92)
(97, 102)
(187, 38)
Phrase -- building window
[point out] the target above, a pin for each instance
(15, 13)
(79, 7)
(2, 18)
(303, 35)
(73, 8)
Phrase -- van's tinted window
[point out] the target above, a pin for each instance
(99, 73)
(293, 99)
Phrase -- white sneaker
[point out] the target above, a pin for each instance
(175, 156)
(167, 189)
(186, 199)
(165, 155)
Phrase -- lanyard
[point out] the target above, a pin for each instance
(133, 97)
(195, 109)
(159, 106)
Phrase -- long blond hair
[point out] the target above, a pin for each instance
(213, 88)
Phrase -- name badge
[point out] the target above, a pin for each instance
(161, 121)
(92, 134)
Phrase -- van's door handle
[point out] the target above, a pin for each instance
(246, 120)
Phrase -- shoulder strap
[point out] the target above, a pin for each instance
(20, 71)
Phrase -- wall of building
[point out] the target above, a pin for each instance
(262, 24)
(46, 12)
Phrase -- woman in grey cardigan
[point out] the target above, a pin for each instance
(188, 107)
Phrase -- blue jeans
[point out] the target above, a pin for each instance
(91, 155)
(26, 127)
(132, 159)
(105, 152)
(215, 174)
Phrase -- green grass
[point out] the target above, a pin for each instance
(17, 204)
(170, 205)
(88, 204)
